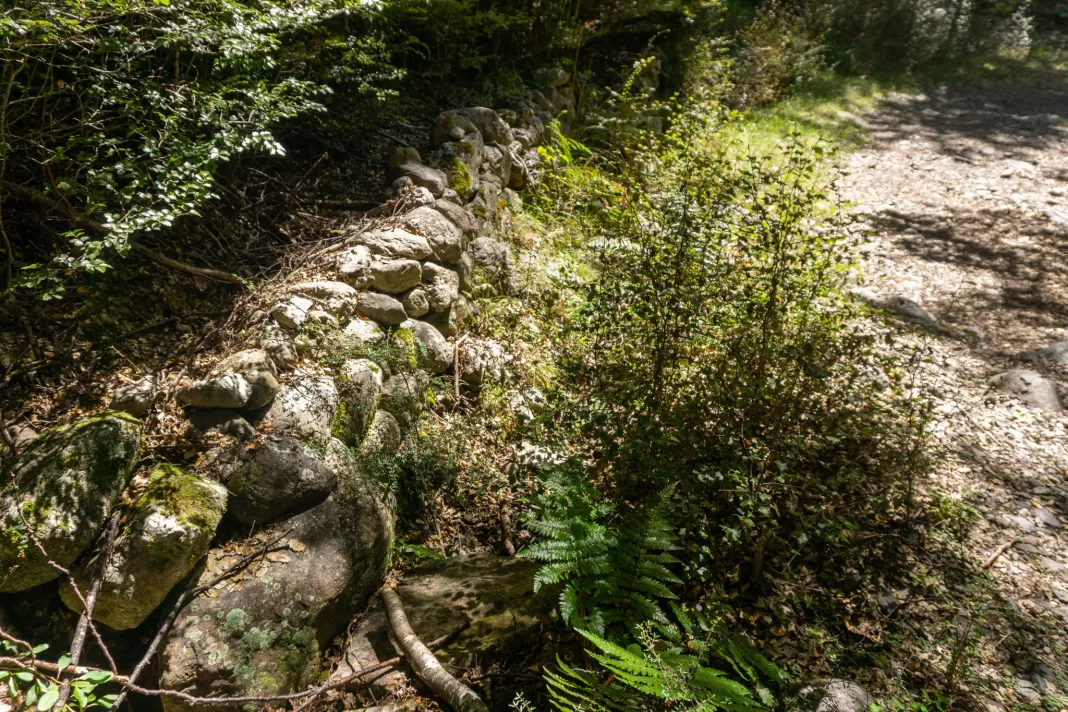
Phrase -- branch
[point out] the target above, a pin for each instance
(458, 695)
(156, 257)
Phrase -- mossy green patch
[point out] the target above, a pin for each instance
(182, 495)
(459, 176)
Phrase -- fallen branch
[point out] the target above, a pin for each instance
(997, 553)
(156, 257)
(78, 644)
(457, 695)
(507, 547)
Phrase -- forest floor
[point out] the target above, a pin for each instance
(963, 191)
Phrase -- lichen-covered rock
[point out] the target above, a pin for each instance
(280, 476)
(304, 408)
(448, 322)
(442, 286)
(292, 312)
(483, 361)
(63, 487)
(508, 620)
(446, 239)
(415, 303)
(422, 176)
(433, 352)
(394, 243)
(1030, 388)
(258, 369)
(279, 344)
(404, 395)
(360, 387)
(263, 632)
(394, 276)
(382, 438)
(354, 266)
(227, 391)
(170, 528)
(338, 298)
(382, 308)
(364, 332)
(136, 398)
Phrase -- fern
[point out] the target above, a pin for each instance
(671, 670)
(616, 576)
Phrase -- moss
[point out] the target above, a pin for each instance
(182, 495)
(337, 426)
(459, 176)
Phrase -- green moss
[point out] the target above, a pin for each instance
(459, 176)
(337, 426)
(182, 495)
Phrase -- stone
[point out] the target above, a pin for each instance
(354, 266)
(551, 77)
(1046, 518)
(280, 476)
(279, 344)
(488, 123)
(227, 391)
(394, 243)
(483, 361)
(465, 270)
(415, 303)
(900, 306)
(382, 308)
(401, 155)
(442, 286)
(224, 420)
(449, 321)
(338, 298)
(422, 176)
(19, 435)
(382, 438)
(404, 396)
(323, 318)
(446, 239)
(360, 388)
(456, 215)
(1054, 354)
(364, 332)
(265, 633)
(258, 370)
(65, 485)
(498, 164)
(169, 530)
(508, 619)
(1030, 388)
(433, 351)
(492, 256)
(136, 398)
(830, 695)
(393, 276)
(305, 408)
(450, 126)
(292, 312)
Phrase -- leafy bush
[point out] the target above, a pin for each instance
(117, 115)
(777, 54)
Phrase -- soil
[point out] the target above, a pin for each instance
(963, 192)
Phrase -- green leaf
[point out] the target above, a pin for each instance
(97, 677)
(48, 699)
(63, 662)
(24, 676)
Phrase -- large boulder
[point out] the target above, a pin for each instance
(305, 408)
(831, 695)
(278, 477)
(382, 438)
(483, 361)
(446, 239)
(448, 322)
(354, 266)
(1030, 388)
(63, 487)
(230, 390)
(415, 302)
(382, 308)
(263, 631)
(433, 352)
(277, 342)
(170, 528)
(258, 369)
(421, 176)
(404, 396)
(455, 124)
(364, 332)
(509, 621)
(292, 312)
(398, 244)
(442, 286)
(456, 215)
(393, 276)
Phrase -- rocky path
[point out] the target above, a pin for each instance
(964, 191)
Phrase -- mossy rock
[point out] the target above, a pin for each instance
(171, 527)
(64, 487)
(263, 632)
